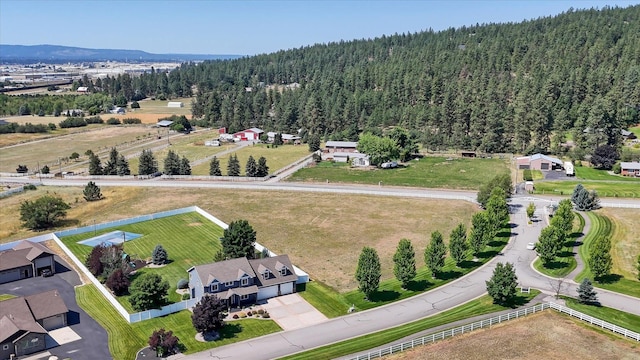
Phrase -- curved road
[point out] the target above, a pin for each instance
(430, 303)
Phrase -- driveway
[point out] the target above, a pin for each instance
(293, 312)
(84, 338)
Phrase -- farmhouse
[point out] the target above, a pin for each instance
(286, 138)
(25, 260)
(539, 162)
(175, 104)
(630, 168)
(341, 146)
(24, 322)
(360, 160)
(243, 282)
(252, 134)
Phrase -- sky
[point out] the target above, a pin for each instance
(250, 27)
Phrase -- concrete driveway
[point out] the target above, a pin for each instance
(84, 338)
(293, 312)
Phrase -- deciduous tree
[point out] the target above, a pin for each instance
(531, 210)
(148, 291)
(502, 285)
(604, 157)
(481, 232)
(600, 260)
(208, 314)
(43, 213)
(458, 244)
(118, 282)
(502, 181)
(238, 240)
(163, 342)
(435, 253)
(404, 262)
(368, 271)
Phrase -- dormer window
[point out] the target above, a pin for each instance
(228, 283)
(283, 271)
(244, 281)
(214, 287)
(266, 274)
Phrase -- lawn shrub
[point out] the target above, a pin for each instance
(183, 284)
(242, 315)
(235, 316)
(186, 296)
(266, 315)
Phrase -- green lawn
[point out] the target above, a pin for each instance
(601, 226)
(587, 173)
(617, 317)
(391, 290)
(430, 172)
(6, 297)
(635, 130)
(277, 157)
(626, 189)
(566, 261)
(324, 299)
(480, 306)
(126, 339)
(179, 235)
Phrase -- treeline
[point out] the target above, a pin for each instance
(493, 87)
(28, 128)
(54, 105)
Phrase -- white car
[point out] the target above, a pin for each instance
(531, 246)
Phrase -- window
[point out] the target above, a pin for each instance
(228, 283)
(244, 297)
(214, 287)
(283, 271)
(266, 274)
(5, 347)
(244, 281)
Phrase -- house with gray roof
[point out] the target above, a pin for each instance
(539, 162)
(25, 260)
(630, 168)
(243, 282)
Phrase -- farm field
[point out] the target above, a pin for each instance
(605, 189)
(126, 339)
(277, 158)
(322, 233)
(547, 335)
(148, 106)
(625, 246)
(179, 235)
(429, 172)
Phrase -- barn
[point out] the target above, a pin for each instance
(538, 162)
(252, 134)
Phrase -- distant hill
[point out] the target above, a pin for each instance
(57, 54)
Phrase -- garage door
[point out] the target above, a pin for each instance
(53, 322)
(268, 292)
(286, 288)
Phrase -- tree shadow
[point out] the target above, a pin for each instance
(73, 318)
(609, 279)
(502, 234)
(512, 225)
(68, 223)
(496, 243)
(566, 254)
(517, 301)
(468, 264)
(230, 330)
(555, 265)
(418, 285)
(487, 254)
(384, 296)
(575, 235)
(448, 275)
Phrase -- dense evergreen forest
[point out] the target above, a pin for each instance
(515, 87)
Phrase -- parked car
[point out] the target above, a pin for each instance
(389, 165)
(531, 246)
(46, 273)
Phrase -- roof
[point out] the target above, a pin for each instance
(16, 317)
(630, 165)
(244, 290)
(624, 132)
(224, 271)
(350, 155)
(274, 265)
(539, 156)
(255, 130)
(35, 249)
(343, 144)
(11, 259)
(46, 304)
(290, 137)
(165, 123)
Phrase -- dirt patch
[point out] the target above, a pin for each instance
(58, 251)
(195, 224)
(547, 335)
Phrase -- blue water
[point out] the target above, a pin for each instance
(112, 238)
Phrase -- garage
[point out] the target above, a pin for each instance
(54, 322)
(267, 292)
(286, 288)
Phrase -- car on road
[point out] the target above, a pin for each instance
(531, 246)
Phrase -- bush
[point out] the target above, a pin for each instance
(113, 121)
(235, 316)
(526, 174)
(131, 121)
(261, 311)
(29, 187)
(266, 315)
(249, 313)
(94, 120)
(183, 284)
(135, 105)
(186, 296)
(617, 168)
(72, 122)
(242, 315)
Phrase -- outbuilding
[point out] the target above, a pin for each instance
(538, 162)
(175, 104)
(630, 168)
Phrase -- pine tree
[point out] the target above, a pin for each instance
(458, 244)
(435, 253)
(368, 271)
(185, 167)
(159, 255)
(600, 261)
(251, 169)
(233, 167)
(638, 267)
(172, 164)
(585, 200)
(214, 167)
(95, 167)
(147, 163)
(404, 262)
(238, 240)
(586, 293)
(110, 168)
(263, 169)
(92, 192)
(502, 285)
(122, 166)
(314, 143)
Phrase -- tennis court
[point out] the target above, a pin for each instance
(112, 238)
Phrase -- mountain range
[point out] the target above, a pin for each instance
(57, 54)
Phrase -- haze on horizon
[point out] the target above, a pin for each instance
(250, 27)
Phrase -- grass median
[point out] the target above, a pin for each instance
(617, 317)
(565, 262)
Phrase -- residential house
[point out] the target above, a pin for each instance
(360, 160)
(630, 168)
(341, 146)
(539, 162)
(252, 134)
(25, 321)
(241, 281)
(25, 260)
(286, 138)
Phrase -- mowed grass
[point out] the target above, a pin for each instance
(429, 172)
(587, 173)
(566, 261)
(626, 189)
(277, 157)
(481, 306)
(190, 239)
(625, 244)
(148, 106)
(126, 339)
(614, 316)
(602, 227)
(323, 233)
(635, 130)
(6, 297)
(545, 335)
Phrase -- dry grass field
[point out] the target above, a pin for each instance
(146, 118)
(547, 335)
(323, 233)
(625, 244)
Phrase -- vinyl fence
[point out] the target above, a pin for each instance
(12, 191)
(393, 349)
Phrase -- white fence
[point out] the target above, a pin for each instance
(12, 191)
(489, 322)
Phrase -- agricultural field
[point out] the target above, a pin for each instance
(148, 106)
(322, 233)
(625, 246)
(277, 157)
(428, 172)
(179, 235)
(546, 335)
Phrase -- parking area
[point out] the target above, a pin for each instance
(293, 312)
(84, 338)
